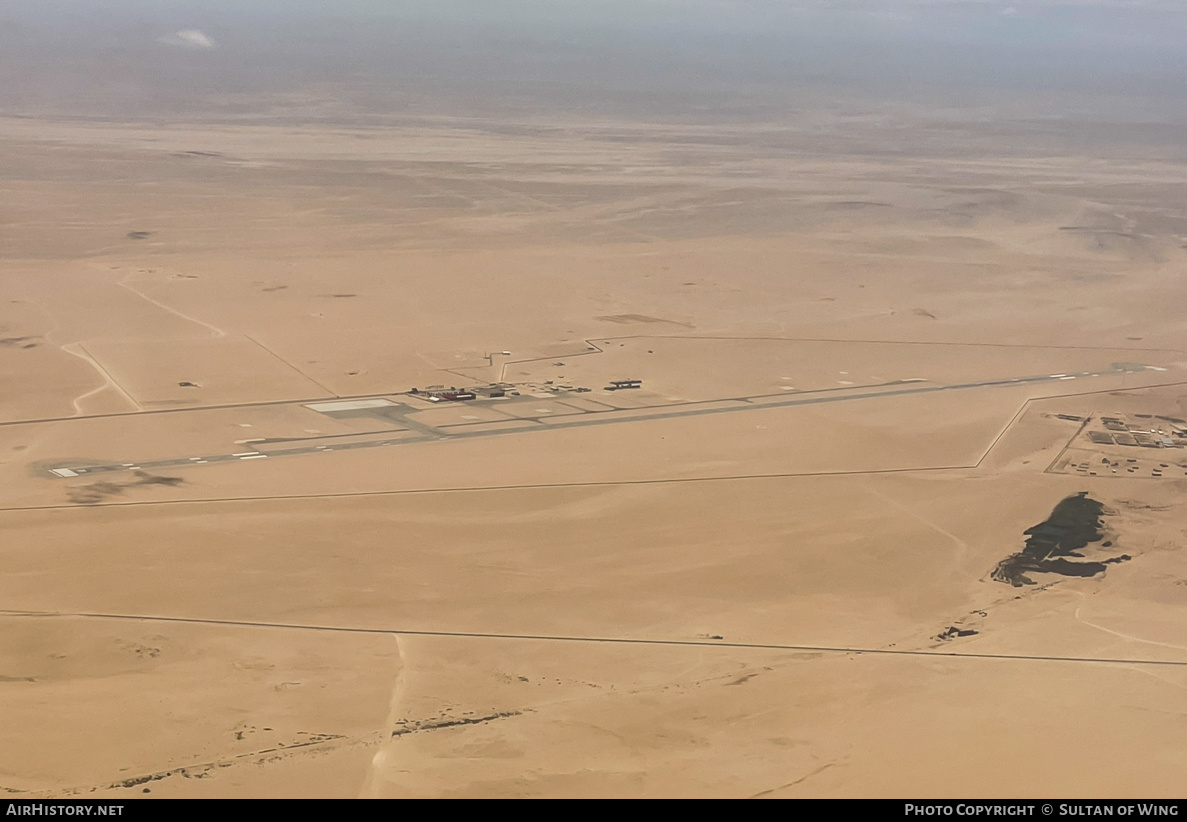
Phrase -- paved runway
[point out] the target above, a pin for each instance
(543, 422)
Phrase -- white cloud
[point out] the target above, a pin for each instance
(1009, 11)
(188, 38)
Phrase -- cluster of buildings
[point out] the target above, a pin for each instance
(442, 393)
(1169, 432)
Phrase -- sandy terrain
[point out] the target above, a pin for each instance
(768, 571)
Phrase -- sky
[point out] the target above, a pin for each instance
(174, 55)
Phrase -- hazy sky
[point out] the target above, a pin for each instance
(181, 53)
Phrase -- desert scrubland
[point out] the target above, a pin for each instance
(871, 353)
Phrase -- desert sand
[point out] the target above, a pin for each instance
(768, 571)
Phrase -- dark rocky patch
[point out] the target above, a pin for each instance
(17, 342)
(145, 478)
(952, 632)
(140, 780)
(411, 727)
(96, 492)
(1074, 523)
(139, 235)
(742, 680)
